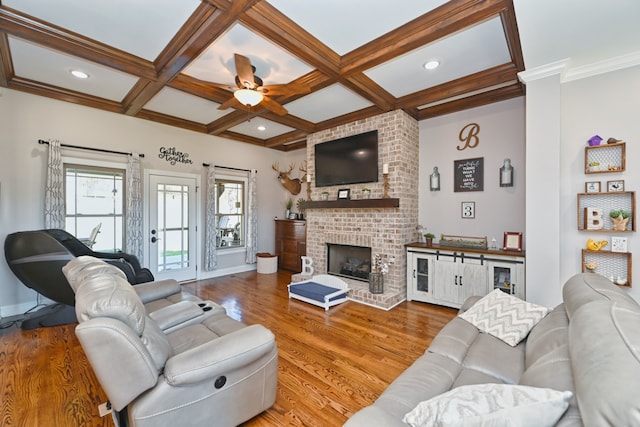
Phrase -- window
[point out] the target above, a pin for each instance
(230, 215)
(95, 196)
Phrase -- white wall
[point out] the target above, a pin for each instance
(607, 105)
(498, 209)
(26, 118)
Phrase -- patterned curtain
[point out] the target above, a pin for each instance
(54, 189)
(134, 243)
(211, 225)
(252, 218)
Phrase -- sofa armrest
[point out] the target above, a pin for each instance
(373, 416)
(220, 356)
(152, 291)
(175, 314)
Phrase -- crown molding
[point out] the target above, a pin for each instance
(544, 71)
(602, 67)
(568, 74)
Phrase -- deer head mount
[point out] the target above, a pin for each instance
(293, 186)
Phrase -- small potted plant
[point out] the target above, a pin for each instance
(620, 219)
(366, 193)
(429, 239)
(325, 195)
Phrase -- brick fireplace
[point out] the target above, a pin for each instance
(384, 229)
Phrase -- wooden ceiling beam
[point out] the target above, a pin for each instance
(42, 33)
(512, 36)
(267, 21)
(6, 66)
(62, 94)
(445, 20)
(365, 113)
(286, 138)
(485, 98)
(242, 138)
(367, 88)
(221, 125)
(171, 121)
(478, 81)
(204, 26)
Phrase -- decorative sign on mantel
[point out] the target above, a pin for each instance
(468, 174)
(173, 156)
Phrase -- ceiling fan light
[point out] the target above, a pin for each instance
(248, 97)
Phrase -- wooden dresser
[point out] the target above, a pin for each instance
(291, 243)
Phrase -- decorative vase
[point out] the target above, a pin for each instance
(376, 283)
(620, 223)
(325, 196)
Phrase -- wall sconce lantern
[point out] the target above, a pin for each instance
(434, 180)
(506, 174)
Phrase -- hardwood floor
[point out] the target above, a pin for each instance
(331, 364)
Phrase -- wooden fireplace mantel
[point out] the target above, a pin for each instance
(347, 203)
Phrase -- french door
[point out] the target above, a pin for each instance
(172, 226)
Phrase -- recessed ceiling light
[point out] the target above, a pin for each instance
(262, 128)
(431, 65)
(79, 74)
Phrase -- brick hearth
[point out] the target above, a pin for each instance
(385, 230)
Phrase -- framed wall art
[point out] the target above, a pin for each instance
(512, 241)
(468, 174)
(592, 187)
(344, 193)
(468, 210)
(617, 185)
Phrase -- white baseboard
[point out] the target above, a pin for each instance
(226, 271)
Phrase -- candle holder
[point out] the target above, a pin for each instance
(308, 191)
(385, 185)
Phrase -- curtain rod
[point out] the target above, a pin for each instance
(42, 141)
(206, 165)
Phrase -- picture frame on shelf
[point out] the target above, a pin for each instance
(468, 210)
(344, 194)
(618, 244)
(615, 185)
(592, 187)
(512, 241)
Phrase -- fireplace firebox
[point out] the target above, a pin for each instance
(349, 261)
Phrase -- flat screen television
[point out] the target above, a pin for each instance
(349, 160)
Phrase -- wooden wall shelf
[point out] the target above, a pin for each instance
(347, 203)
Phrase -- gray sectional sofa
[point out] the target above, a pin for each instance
(589, 345)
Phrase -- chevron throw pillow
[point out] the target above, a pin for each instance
(504, 316)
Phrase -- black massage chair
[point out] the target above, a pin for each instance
(37, 258)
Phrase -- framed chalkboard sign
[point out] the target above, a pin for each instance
(468, 174)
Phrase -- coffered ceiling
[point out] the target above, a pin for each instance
(157, 59)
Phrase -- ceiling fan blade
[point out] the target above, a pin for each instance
(287, 90)
(245, 71)
(231, 102)
(273, 106)
(222, 86)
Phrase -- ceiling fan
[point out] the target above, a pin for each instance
(250, 90)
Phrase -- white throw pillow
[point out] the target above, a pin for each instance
(491, 405)
(504, 316)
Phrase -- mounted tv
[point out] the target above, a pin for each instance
(350, 160)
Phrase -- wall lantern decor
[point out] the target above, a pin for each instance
(434, 180)
(506, 174)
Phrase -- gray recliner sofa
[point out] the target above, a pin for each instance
(181, 365)
(589, 345)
